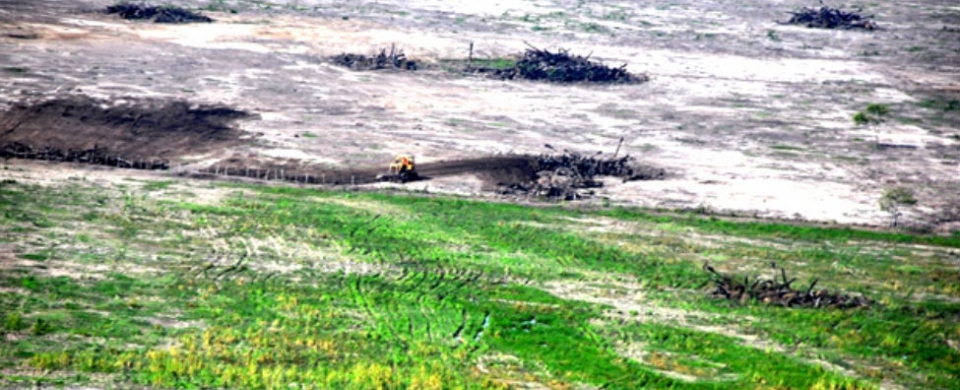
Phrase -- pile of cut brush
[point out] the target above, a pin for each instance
(562, 67)
(827, 17)
(162, 14)
(97, 156)
(772, 291)
(395, 59)
(566, 176)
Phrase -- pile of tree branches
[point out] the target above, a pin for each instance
(779, 292)
(161, 14)
(97, 156)
(570, 175)
(395, 59)
(562, 67)
(827, 17)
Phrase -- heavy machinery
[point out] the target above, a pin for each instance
(402, 169)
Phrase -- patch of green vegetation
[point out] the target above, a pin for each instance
(786, 147)
(618, 15)
(594, 28)
(307, 134)
(423, 290)
(780, 230)
(494, 63)
(872, 116)
(35, 256)
(219, 6)
(745, 366)
(914, 49)
(941, 105)
(772, 35)
(157, 185)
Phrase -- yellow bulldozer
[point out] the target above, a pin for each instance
(402, 169)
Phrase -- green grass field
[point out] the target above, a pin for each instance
(170, 284)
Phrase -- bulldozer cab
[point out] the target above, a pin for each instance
(402, 163)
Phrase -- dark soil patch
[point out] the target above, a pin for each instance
(561, 67)
(22, 35)
(492, 170)
(138, 130)
(394, 59)
(827, 17)
(566, 176)
(161, 14)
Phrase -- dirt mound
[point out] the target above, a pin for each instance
(162, 14)
(552, 176)
(562, 67)
(137, 130)
(395, 59)
(492, 170)
(827, 17)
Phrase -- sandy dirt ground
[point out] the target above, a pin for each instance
(747, 115)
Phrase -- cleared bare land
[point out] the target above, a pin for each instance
(749, 115)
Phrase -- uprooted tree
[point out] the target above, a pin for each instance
(562, 67)
(571, 176)
(779, 292)
(834, 18)
(159, 14)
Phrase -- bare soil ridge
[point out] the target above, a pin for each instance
(140, 129)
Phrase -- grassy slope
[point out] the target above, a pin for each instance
(146, 286)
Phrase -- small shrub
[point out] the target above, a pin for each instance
(878, 110)
(860, 119)
(13, 322)
(773, 36)
(952, 105)
(872, 116)
(41, 327)
(893, 199)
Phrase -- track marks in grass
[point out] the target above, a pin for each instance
(690, 351)
(409, 286)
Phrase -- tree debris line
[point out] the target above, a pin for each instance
(161, 14)
(562, 67)
(571, 175)
(97, 156)
(827, 17)
(395, 59)
(779, 292)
